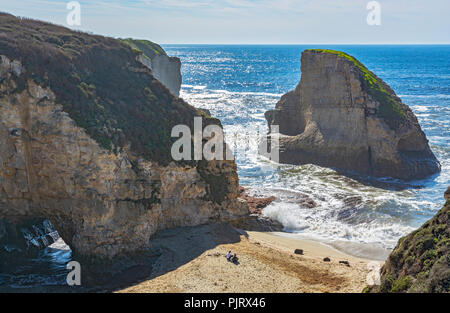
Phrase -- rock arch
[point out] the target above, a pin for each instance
(103, 204)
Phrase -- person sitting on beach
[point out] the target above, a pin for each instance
(229, 255)
(234, 259)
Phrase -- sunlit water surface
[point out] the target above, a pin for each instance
(363, 216)
(359, 215)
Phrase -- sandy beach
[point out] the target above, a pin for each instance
(192, 259)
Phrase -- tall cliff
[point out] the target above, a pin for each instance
(85, 140)
(421, 260)
(342, 115)
(164, 68)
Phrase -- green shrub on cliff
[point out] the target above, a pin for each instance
(389, 108)
(100, 84)
(147, 48)
(421, 260)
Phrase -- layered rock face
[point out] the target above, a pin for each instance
(166, 69)
(421, 260)
(342, 115)
(90, 149)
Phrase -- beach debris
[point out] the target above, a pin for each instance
(298, 251)
(217, 254)
(345, 263)
(327, 259)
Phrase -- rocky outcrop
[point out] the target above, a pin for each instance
(255, 204)
(421, 260)
(256, 221)
(85, 142)
(342, 115)
(166, 69)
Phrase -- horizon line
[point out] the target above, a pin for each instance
(298, 44)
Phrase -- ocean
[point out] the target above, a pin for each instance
(359, 215)
(363, 216)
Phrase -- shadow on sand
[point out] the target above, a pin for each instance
(173, 248)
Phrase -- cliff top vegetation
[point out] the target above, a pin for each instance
(99, 83)
(148, 48)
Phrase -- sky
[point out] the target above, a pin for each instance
(252, 21)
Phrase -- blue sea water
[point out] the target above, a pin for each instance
(238, 83)
(361, 216)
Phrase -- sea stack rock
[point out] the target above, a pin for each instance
(85, 142)
(341, 115)
(166, 69)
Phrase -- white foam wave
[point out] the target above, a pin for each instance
(323, 225)
(419, 108)
(226, 92)
(346, 209)
(438, 96)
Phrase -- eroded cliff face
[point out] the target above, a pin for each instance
(341, 115)
(85, 141)
(421, 260)
(102, 203)
(165, 68)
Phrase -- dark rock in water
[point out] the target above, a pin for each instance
(255, 221)
(353, 201)
(327, 259)
(345, 263)
(346, 214)
(302, 199)
(350, 210)
(341, 115)
(298, 251)
(307, 203)
(255, 204)
(421, 260)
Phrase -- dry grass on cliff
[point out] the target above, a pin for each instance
(266, 264)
